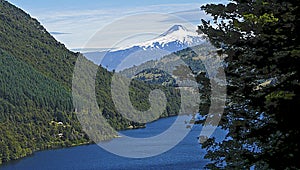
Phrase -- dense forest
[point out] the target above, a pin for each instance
(36, 107)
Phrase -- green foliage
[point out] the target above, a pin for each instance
(21, 84)
(261, 41)
(193, 58)
(263, 19)
(36, 106)
(139, 93)
(155, 76)
(35, 80)
(154, 71)
(280, 95)
(29, 102)
(25, 38)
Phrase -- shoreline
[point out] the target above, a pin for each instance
(81, 144)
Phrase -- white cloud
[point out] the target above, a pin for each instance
(83, 24)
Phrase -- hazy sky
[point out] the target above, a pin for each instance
(75, 22)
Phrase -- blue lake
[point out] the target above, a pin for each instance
(186, 155)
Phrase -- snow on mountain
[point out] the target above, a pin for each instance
(177, 35)
(174, 39)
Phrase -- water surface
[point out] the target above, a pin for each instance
(186, 155)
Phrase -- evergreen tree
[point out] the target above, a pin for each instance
(261, 41)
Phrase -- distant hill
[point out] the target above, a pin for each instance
(200, 64)
(197, 61)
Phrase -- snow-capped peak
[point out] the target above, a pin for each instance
(177, 34)
(173, 29)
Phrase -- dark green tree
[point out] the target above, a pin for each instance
(261, 41)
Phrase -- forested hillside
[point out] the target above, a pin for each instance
(35, 111)
(25, 38)
(36, 108)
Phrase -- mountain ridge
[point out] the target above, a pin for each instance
(177, 33)
(174, 39)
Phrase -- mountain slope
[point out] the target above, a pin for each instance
(36, 108)
(174, 39)
(23, 37)
(28, 120)
(197, 61)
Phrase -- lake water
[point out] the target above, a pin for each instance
(186, 155)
